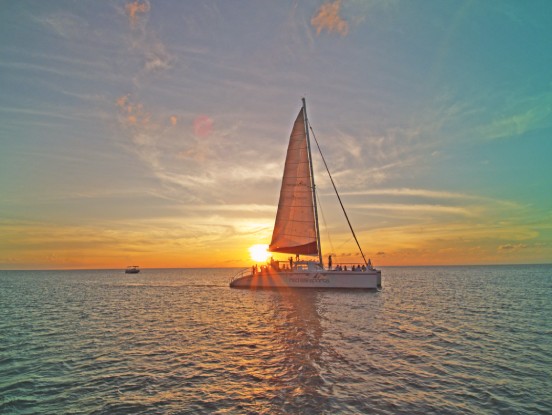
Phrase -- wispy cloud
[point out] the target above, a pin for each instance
(157, 57)
(67, 68)
(240, 208)
(433, 194)
(522, 115)
(414, 192)
(133, 114)
(420, 225)
(142, 128)
(328, 18)
(455, 242)
(510, 247)
(64, 24)
(51, 114)
(135, 9)
(426, 208)
(111, 244)
(155, 54)
(148, 131)
(162, 142)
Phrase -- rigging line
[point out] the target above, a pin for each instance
(344, 243)
(325, 224)
(336, 192)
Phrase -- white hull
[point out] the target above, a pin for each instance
(370, 279)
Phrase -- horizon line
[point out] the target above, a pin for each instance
(189, 268)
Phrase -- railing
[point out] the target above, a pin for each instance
(240, 273)
(303, 266)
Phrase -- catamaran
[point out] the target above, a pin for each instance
(296, 230)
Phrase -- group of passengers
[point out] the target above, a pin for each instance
(356, 268)
(275, 265)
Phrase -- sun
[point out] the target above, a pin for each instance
(259, 252)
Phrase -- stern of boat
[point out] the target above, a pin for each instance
(242, 279)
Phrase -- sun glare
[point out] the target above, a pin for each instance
(259, 252)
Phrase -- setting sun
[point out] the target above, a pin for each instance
(259, 252)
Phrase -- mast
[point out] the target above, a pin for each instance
(313, 186)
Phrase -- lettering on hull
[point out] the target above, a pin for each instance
(315, 279)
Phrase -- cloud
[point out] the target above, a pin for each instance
(133, 114)
(157, 241)
(238, 208)
(436, 195)
(426, 193)
(455, 210)
(510, 247)
(328, 18)
(527, 114)
(135, 8)
(141, 128)
(157, 57)
(153, 137)
(64, 24)
(144, 40)
(413, 192)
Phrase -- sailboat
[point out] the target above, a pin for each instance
(296, 230)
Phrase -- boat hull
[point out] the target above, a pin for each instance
(370, 279)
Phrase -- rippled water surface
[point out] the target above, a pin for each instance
(435, 340)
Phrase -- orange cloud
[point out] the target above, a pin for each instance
(203, 126)
(122, 101)
(132, 10)
(133, 114)
(328, 18)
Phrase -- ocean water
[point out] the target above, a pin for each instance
(435, 340)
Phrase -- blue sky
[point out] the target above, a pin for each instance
(155, 132)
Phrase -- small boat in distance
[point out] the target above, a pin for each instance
(132, 269)
(296, 230)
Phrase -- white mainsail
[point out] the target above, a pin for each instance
(295, 228)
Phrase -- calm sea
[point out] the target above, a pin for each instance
(435, 340)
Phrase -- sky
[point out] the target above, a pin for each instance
(154, 132)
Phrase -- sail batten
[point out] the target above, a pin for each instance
(294, 229)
